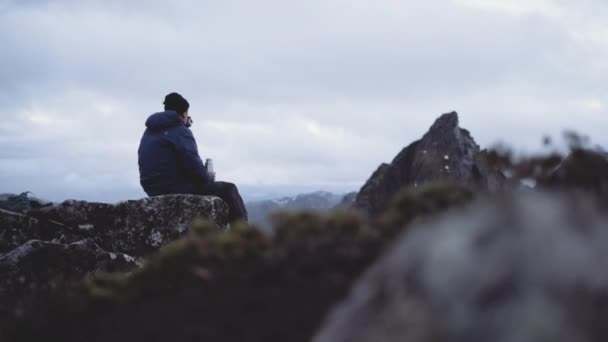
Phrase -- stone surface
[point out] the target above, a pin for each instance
(15, 229)
(37, 263)
(132, 227)
(347, 200)
(77, 237)
(520, 267)
(446, 153)
(487, 176)
(80, 256)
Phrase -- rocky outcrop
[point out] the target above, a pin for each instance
(16, 229)
(521, 267)
(446, 153)
(36, 263)
(135, 228)
(77, 237)
(347, 200)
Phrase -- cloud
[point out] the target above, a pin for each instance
(316, 92)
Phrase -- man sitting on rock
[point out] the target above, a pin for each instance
(169, 162)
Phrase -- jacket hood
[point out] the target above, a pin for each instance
(163, 120)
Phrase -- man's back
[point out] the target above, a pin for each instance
(169, 162)
(168, 156)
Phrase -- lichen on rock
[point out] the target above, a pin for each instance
(131, 227)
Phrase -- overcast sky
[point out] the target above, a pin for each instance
(315, 92)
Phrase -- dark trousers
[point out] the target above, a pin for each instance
(230, 194)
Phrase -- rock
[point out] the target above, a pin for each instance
(132, 227)
(487, 175)
(518, 267)
(347, 200)
(15, 228)
(34, 265)
(446, 153)
(384, 183)
(77, 237)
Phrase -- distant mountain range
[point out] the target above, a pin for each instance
(321, 201)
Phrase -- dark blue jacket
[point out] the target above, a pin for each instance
(168, 157)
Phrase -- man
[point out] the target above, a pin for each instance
(169, 162)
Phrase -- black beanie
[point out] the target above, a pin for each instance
(176, 102)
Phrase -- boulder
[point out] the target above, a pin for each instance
(520, 267)
(15, 229)
(446, 153)
(76, 237)
(133, 227)
(35, 264)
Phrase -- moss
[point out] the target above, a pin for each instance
(203, 227)
(411, 204)
(289, 226)
(583, 169)
(161, 271)
(179, 263)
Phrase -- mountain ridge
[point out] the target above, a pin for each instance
(320, 200)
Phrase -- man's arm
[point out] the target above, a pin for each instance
(188, 155)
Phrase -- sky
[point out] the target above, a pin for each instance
(286, 94)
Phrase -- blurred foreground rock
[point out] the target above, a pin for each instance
(523, 267)
(446, 153)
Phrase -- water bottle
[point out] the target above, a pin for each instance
(209, 166)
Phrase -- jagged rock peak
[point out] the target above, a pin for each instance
(447, 120)
(446, 153)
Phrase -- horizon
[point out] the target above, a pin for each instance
(250, 193)
(286, 96)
